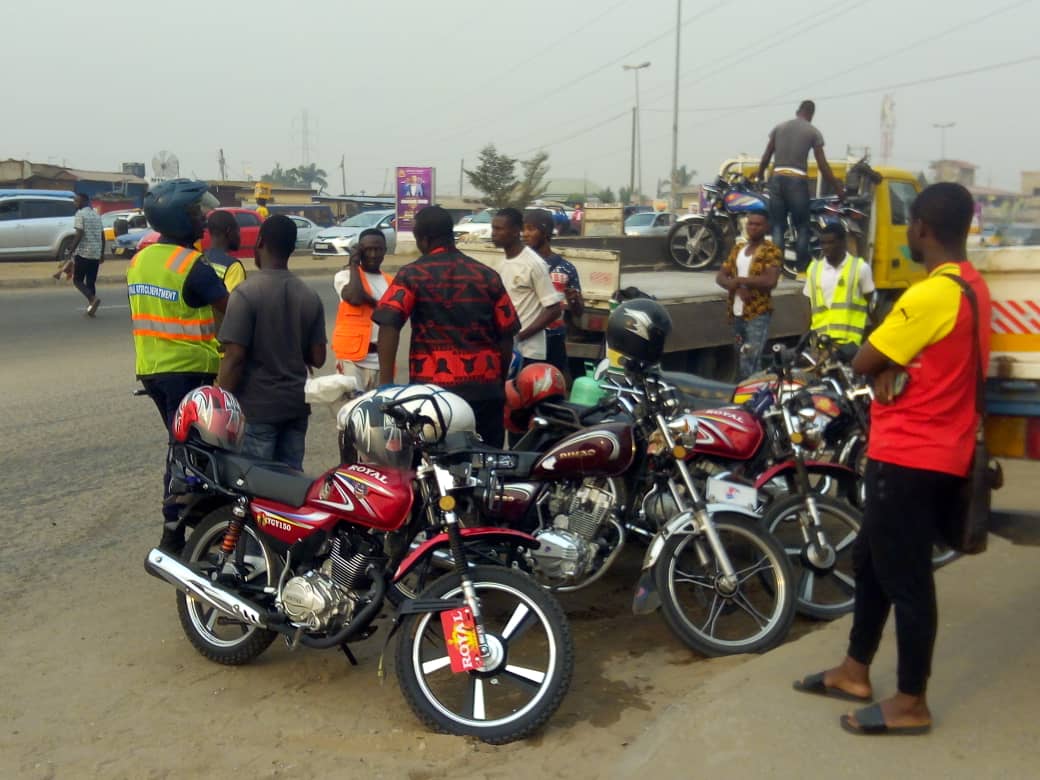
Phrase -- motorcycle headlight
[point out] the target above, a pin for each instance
(684, 430)
(811, 425)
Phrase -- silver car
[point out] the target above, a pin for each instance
(36, 224)
(339, 240)
(649, 223)
(306, 231)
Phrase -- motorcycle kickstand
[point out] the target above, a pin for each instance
(347, 652)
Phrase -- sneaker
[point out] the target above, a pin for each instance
(92, 307)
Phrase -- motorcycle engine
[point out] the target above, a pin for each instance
(659, 506)
(569, 547)
(314, 599)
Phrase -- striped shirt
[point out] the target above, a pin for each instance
(89, 221)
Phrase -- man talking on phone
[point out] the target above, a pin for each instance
(359, 286)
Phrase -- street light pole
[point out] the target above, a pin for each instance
(637, 152)
(676, 202)
(942, 127)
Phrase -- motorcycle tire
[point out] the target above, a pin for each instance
(823, 594)
(710, 248)
(742, 539)
(530, 676)
(239, 643)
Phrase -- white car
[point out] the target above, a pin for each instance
(478, 226)
(649, 223)
(306, 231)
(340, 239)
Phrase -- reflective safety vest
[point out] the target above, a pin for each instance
(845, 318)
(353, 332)
(170, 337)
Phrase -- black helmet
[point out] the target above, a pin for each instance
(638, 330)
(168, 207)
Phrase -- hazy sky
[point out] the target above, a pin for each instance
(411, 82)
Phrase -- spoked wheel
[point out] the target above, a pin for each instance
(713, 619)
(524, 677)
(824, 583)
(214, 634)
(695, 244)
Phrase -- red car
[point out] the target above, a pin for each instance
(248, 224)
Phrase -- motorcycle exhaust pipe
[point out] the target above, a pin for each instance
(167, 567)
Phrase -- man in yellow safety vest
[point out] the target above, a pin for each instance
(173, 294)
(840, 288)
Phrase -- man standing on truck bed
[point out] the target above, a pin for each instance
(791, 142)
(749, 276)
(923, 359)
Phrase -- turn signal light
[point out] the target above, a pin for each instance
(446, 503)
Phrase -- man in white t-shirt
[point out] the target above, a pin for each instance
(355, 336)
(526, 279)
(840, 288)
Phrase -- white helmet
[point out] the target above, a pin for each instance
(369, 436)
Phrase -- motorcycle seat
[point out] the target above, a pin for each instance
(263, 479)
(699, 387)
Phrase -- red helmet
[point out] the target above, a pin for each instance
(214, 415)
(535, 383)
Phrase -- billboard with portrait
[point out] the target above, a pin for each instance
(414, 189)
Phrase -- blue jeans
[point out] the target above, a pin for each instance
(790, 195)
(751, 340)
(283, 441)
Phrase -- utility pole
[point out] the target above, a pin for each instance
(632, 169)
(942, 127)
(674, 187)
(637, 151)
(462, 167)
(343, 172)
(223, 166)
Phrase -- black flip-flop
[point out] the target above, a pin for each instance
(870, 722)
(814, 685)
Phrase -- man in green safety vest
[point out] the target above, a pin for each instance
(173, 294)
(840, 288)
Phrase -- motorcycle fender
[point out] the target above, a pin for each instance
(683, 524)
(814, 466)
(440, 541)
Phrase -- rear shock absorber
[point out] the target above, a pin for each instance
(234, 530)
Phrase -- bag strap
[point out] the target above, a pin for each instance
(980, 382)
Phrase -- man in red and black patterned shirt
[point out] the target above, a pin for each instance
(463, 323)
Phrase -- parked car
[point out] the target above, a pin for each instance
(36, 224)
(306, 231)
(478, 225)
(125, 246)
(339, 240)
(248, 224)
(134, 219)
(649, 223)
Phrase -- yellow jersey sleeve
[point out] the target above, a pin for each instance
(923, 315)
(235, 275)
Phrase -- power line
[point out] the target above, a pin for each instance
(626, 113)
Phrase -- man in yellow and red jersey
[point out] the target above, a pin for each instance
(924, 360)
(173, 293)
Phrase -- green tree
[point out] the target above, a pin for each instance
(605, 196)
(684, 176)
(281, 176)
(308, 175)
(494, 176)
(625, 194)
(532, 186)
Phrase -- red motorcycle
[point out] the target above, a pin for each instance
(483, 652)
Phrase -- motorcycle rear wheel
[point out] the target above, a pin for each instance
(821, 594)
(756, 617)
(695, 244)
(532, 650)
(215, 635)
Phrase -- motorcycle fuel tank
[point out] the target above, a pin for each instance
(606, 450)
(731, 433)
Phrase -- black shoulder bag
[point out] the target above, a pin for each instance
(965, 531)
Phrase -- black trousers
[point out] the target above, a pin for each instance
(892, 561)
(490, 423)
(84, 276)
(167, 391)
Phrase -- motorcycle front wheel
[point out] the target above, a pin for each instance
(217, 636)
(826, 591)
(752, 618)
(695, 244)
(525, 676)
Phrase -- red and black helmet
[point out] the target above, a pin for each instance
(535, 383)
(215, 417)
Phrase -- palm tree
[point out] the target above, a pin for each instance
(310, 174)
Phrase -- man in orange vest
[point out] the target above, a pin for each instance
(355, 335)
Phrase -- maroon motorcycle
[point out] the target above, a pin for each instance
(483, 652)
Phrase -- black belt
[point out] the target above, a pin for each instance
(373, 348)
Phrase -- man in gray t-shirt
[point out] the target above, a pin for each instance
(789, 145)
(274, 328)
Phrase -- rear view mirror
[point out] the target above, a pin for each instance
(601, 369)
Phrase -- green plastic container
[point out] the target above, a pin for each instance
(586, 391)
